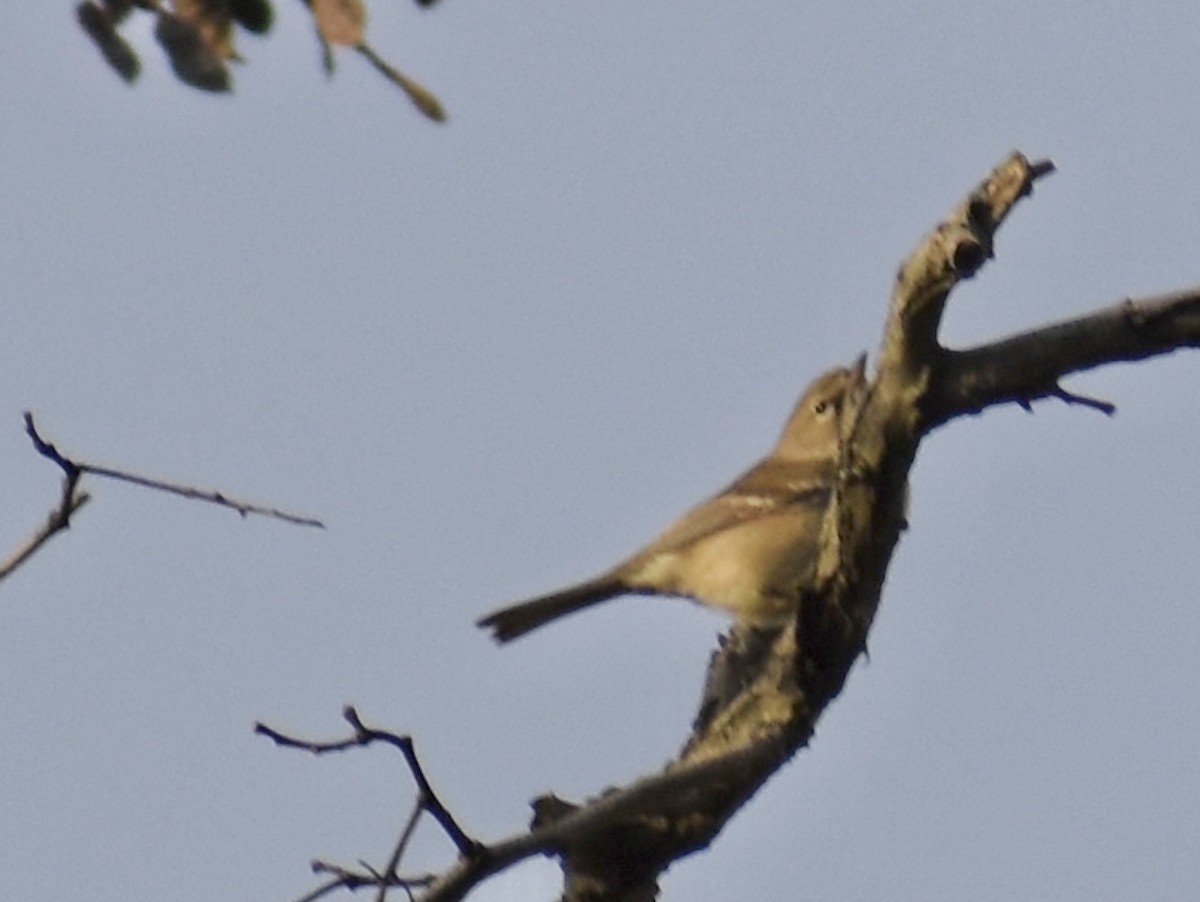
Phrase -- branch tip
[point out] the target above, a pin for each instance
(1105, 407)
(47, 449)
(74, 469)
(1041, 168)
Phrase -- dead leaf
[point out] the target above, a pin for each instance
(192, 57)
(117, 10)
(103, 31)
(253, 15)
(213, 20)
(340, 22)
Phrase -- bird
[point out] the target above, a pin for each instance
(748, 550)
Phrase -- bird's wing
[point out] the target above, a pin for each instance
(767, 489)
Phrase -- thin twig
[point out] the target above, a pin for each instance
(317, 748)
(70, 500)
(427, 802)
(69, 465)
(47, 449)
(324, 889)
(422, 98)
(213, 496)
(346, 878)
(1105, 407)
(427, 797)
(59, 519)
(393, 863)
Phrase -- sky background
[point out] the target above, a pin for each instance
(497, 355)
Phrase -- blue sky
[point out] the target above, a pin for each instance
(497, 355)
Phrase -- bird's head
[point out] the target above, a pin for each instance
(814, 427)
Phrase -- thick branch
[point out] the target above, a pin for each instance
(766, 689)
(768, 692)
(1027, 366)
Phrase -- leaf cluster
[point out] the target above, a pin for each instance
(198, 37)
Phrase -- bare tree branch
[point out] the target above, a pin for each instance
(245, 508)
(427, 802)
(72, 498)
(766, 689)
(427, 799)
(59, 519)
(1028, 366)
(1069, 397)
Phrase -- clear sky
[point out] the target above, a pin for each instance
(497, 355)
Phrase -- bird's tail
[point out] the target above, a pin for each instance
(518, 619)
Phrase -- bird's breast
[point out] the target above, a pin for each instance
(753, 570)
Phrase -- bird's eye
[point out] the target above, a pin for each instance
(821, 407)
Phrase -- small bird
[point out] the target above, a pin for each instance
(747, 550)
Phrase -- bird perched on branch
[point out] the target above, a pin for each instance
(748, 550)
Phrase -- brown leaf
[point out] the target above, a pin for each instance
(102, 30)
(213, 20)
(340, 22)
(253, 15)
(192, 57)
(117, 10)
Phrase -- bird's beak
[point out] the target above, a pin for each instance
(858, 372)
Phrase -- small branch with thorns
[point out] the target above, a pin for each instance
(73, 498)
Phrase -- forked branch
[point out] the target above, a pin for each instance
(72, 498)
(766, 690)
